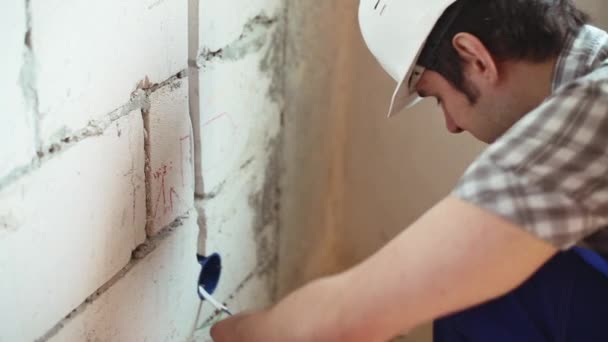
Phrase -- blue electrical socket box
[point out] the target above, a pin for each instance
(211, 268)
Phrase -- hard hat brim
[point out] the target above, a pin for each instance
(403, 98)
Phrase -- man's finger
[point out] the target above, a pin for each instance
(228, 330)
(220, 332)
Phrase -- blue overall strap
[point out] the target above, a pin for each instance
(593, 259)
(566, 300)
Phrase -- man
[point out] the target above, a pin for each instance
(494, 260)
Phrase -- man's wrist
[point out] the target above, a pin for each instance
(316, 312)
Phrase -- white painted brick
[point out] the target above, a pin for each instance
(237, 144)
(227, 18)
(68, 227)
(155, 301)
(93, 53)
(231, 231)
(238, 120)
(171, 154)
(247, 251)
(238, 138)
(16, 125)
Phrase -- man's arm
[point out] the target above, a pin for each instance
(454, 257)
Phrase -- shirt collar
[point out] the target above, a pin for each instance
(583, 52)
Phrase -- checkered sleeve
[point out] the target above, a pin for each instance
(549, 172)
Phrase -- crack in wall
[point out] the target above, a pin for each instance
(273, 64)
(252, 39)
(137, 256)
(284, 65)
(264, 202)
(28, 79)
(145, 114)
(213, 193)
(97, 127)
(280, 148)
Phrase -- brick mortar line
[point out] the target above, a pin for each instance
(147, 172)
(96, 127)
(138, 255)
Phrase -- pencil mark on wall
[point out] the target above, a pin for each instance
(217, 117)
(225, 153)
(382, 10)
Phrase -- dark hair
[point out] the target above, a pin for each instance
(531, 30)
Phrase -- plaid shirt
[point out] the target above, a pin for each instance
(549, 172)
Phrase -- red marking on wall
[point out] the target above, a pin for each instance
(168, 194)
(215, 118)
(160, 176)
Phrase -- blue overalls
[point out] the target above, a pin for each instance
(566, 300)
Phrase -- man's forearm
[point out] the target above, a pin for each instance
(318, 311)
(452, 258)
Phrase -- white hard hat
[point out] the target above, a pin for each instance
(395, 31)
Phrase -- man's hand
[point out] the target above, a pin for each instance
(310, 314)
(242, 327)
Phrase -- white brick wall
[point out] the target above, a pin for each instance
(240, 127)
(171, 155)
(17, 131)
(68, 227)
(154, 301)
(91, 55)
(98, 232)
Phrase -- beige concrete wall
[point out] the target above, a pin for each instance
(354, 178)
(598, 9)
(320, 73)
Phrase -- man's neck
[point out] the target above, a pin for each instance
(530, 83)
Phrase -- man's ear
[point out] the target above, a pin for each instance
(475, 55)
